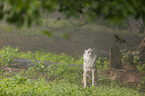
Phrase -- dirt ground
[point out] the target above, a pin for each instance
(125, 76)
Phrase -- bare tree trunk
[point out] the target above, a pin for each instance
(115, 58)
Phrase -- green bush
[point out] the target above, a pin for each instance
(102, 63)
(136, 60)
(140, 66)
(65, 72)
(19, 86)
(7, 54)
(51, 57)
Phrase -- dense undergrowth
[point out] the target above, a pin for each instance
(54, 80)
(26, 87)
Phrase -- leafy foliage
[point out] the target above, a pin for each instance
(22, 86)
(102, 63)
(7, 54)
(16, 11)
(51, 57)
(119, 39)
(61, 79)
(140, 66)
(136, 60)
(49, 34)
(61, 71)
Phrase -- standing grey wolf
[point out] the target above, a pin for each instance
(89, 65)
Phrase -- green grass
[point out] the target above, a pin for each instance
(51, 57)
(21, 86)
(56, 80)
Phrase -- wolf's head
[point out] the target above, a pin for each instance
(89, 52)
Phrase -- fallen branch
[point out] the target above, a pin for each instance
(29, 62)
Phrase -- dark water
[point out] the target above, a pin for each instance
(79, 39)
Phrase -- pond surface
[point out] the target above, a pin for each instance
(80, 38)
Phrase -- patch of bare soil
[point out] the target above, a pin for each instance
(14, 68)
(125, 76)
(128, 77)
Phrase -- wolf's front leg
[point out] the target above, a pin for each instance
(85, 78)
(94, 77)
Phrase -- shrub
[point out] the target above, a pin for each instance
(140, 66)
(71, 74)
(102, 63)
(135, 58)
(7, 54)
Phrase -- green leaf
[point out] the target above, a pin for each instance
(66, 36)
(49, 34)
